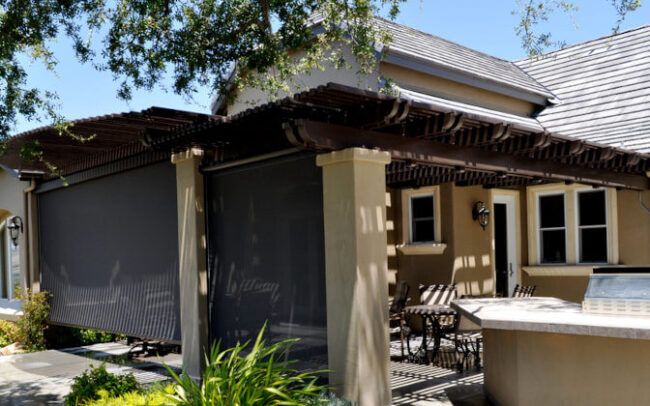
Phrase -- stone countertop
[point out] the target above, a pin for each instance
(550, 315)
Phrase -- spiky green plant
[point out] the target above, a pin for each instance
(236, 377)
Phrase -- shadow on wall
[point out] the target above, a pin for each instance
(473, 275)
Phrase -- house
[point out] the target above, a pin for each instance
(302, 211)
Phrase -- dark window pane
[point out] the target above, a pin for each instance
(422, 206)
(553, 246)
(593, 244)
(551, 209)
(592, 208)
(422, 231)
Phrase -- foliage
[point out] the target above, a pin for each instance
(7, 333)
(86, 387)
(259, 376)
(162, 394)
(62, 337)
(535, 12)
(199, 42)
(32, 325)
(158, 395)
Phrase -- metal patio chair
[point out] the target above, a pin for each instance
(396, 313)
(437, 318)
(524, 291)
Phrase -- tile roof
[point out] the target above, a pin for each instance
(603, 87)
(449, 55)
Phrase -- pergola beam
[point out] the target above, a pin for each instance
(328, 137)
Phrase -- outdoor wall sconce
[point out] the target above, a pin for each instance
(15, 228)
(480, 212)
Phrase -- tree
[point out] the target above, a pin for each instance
(198, 42)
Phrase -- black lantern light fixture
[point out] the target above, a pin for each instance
(15, 227)
(480, 213)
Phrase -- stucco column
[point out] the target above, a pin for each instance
(354, 205)
(192, 260)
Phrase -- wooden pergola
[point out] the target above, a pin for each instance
(429, 144)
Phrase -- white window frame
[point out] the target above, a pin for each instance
(578, 227)
(433, 218)
(538, 228)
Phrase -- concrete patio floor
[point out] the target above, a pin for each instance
(44, 378)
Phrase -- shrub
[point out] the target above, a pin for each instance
(158, 395)
(256, 378)
(86, 386)
(64, 337)
(32, 325)
(7, 333)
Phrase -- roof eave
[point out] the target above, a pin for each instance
(409, 61)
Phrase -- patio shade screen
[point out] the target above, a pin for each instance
(109, 253)
(266, 255)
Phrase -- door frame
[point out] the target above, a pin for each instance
(511, 200)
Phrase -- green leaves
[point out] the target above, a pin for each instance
(535, 12)
(258, 375)
(97, 383)
(32, 324)
(193, 42)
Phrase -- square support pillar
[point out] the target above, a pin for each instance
(192, 260)
(354, 206)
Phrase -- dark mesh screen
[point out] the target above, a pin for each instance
(266, 255)
(109, 253)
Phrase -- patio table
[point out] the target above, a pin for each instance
(432, 314)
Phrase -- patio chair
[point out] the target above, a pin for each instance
(439, 294)
(396, 312)
(524, 291)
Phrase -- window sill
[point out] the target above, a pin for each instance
(559, 270)
(11, 309)
(422, 249)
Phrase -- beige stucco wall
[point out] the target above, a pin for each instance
(251, 97)
(401, 76)
(633, 228)
(528, 368)
(11, 195)
(448, 89)
(468, 258)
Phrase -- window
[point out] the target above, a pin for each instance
(422, 218)
(552, 229)
(592, 226)
(9, 263)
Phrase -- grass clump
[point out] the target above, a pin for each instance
(259, 376)
(87, 386)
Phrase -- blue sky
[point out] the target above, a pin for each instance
(485, 25)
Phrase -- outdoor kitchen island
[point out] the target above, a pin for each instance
(547, 351)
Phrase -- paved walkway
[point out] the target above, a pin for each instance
(44, 378)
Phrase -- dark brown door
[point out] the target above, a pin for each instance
(501, 248)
